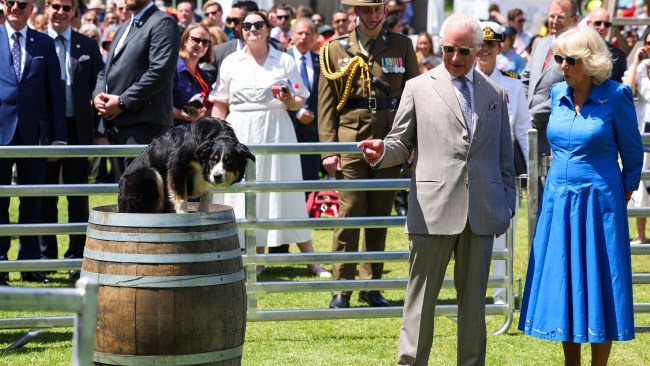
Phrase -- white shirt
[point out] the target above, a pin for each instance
(22, 41)
(310, 73)
(518, 112)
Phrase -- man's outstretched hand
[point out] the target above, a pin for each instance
(372, 150)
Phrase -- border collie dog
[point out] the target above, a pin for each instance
(186, 161)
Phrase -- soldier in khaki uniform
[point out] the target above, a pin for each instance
(362, 77)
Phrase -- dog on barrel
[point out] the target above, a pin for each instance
(186, 161)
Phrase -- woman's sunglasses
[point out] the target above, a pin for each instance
(21, 5)
(66, 8)
(571, 61)
(465, 51)
(247, 26)
(200, 41)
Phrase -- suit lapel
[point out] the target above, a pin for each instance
(75, 53)
(480, 100)
(5, 57)
(316, 66)
(353, 43)
(442, 86)
(30, 47)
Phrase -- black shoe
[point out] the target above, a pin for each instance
(373, 298)
(75, 274)
(340, 301)
(35, 277)
(3, 279)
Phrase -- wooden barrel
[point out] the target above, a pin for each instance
(172, 288)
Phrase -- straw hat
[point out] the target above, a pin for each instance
(364, 2)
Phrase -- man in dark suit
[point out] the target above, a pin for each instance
(599, 20)
(540, 73)
(80, 62)
(304, 120)
(33, 112)
(134, 92)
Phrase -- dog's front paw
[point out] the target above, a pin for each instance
(181, 207)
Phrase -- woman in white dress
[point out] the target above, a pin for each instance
(244, 98)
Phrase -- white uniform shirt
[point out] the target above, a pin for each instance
(518, 112)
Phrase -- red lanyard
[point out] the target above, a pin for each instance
(197, 75)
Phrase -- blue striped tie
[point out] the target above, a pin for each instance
(466, 104)
(15, 54)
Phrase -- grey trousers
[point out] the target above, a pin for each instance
(428, 260)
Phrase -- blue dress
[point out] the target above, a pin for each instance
(579, 280)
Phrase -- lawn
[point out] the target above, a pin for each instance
(350, 342)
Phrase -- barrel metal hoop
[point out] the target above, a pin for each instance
(164, 281)
(161, 258)
(161, 237)
(191, 359)
(99, 217)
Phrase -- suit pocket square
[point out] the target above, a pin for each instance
(492, 106)
(84, 58)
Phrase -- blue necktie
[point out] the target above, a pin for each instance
(15, 54)
(466, 104)
(61, 55)
(303, 72)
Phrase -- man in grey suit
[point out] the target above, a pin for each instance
(455, 120)
(134, 92)
(540, 73)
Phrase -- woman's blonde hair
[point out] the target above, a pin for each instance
(185, 38)
(586, 44)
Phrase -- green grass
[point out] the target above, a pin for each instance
(350, 342)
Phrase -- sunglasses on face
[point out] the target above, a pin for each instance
(317, 20)
(283, 17)
(521, 20)
(21, 6)
(464, 51)
(571, 61)
(337, 21)
(598, 23)
(247, 26)
(490, 44)
(234, 21)
(210, 13)
(121, 8)
(66, 8)
(200, 41)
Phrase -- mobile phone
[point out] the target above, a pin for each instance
(643, 55)
(276, 89)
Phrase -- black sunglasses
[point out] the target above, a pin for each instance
(21, 6)
(598, 23)
(317, 20)
(571, 61)
(197, 41)
(285, 17)
(490, 44)
(247, 26)
(465, 51)
(235, 21)
(58, 7)
(212, 12)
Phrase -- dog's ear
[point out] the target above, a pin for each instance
(203, 151)
(244, 152)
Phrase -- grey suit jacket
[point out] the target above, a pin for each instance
(141, 72)
(453, 181)
(538, 83)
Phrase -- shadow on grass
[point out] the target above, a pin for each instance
(279, 272)
(38, 343)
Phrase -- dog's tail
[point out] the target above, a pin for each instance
(141, 191)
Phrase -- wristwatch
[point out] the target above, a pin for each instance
(121, 105)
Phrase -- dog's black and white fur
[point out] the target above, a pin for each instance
(184, 162)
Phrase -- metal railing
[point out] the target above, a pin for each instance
(81, 300)
(250, 187)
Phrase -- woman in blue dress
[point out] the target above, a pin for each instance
(579, 280)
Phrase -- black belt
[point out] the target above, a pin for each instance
(373, 104)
